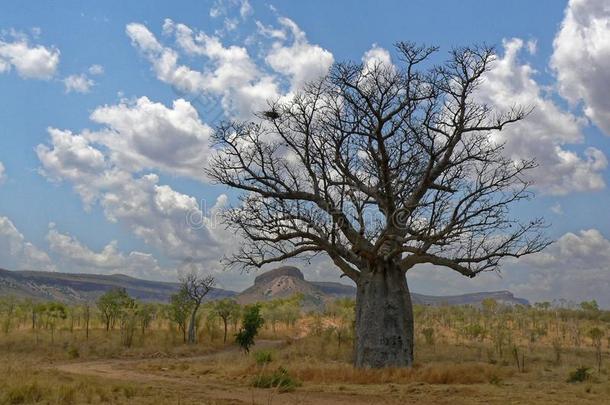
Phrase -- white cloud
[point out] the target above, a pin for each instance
(376, 55)
(82, 83)
(72, 158)
(245, 10)
(2, 173)
(144, 135)
(18, 253)
(576, 268)
(581, 58)
(30, 61)
(557, 209)
(300, 61)
(156, 213)
(224, 7)
(137, 136)
(78, 83)
(230, 73)
(270, 31)
(231, 66)
(96, 70)
(115, 167)
(165, 61)
(532, 46)
(544, 134)
(76, 257)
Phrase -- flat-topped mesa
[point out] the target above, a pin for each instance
(290, 271)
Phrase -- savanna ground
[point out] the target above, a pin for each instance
(464, 355)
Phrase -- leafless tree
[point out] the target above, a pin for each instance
(195, 287)
(381, 168)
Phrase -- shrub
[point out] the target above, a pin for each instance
(279, 379)
(262, 357)
(428, 335)
(494, 379)
(251, 323)
(73, 352)
(581, 374)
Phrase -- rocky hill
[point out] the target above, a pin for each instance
(282, 282)
(501, 297)
(286, 281)
(68, 287)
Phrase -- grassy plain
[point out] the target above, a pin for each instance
(463, 356)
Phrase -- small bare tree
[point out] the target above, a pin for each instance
(227, 309)
(195, 287)
(381, 168)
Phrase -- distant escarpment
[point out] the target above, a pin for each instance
(282, 282)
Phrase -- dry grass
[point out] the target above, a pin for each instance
(100, 345)
(23, 381)
(471, 373)
(159, 368)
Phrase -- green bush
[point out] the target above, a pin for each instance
(263, 357)
(581, 374)
(73, 352)
(279, 379)
(251, 323)
(429, 336)
(494, 379)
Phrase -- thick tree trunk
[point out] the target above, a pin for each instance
(384, 319)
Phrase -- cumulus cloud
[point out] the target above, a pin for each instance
(82, 83)
(136, 136)
(574, 268)
(245, 9)
(300, 61)
(546, 132)
(244, 87)
(170, 221)
(78, 84)
(230, 74)
(16, 252)
(144, 135)
(73, 159)
(75, 256)
(224, 7)
(376, 55)
(164, 61)
(581, 58)
(96, 70)
(117, 167)
(29, 61)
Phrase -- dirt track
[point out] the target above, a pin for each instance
(207, 392)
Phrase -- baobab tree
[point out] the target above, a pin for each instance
(381, 167)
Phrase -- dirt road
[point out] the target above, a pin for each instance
(200, 391)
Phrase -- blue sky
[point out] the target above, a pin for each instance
(83, 84)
